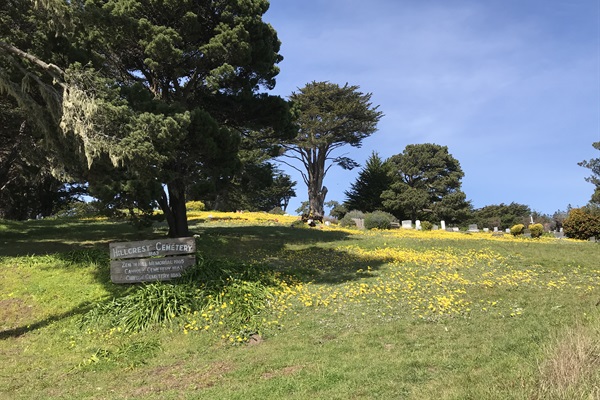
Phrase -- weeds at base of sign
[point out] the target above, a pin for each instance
(234, 297)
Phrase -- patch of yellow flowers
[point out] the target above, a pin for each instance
(429, 284)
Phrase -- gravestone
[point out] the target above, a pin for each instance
(418, 225)
(151, 260)
(360, 223)
(435, 228)
(495, 229)
(507, 230)
(486, 229)
(443, 225)
(455, 229)
(407, 224)
(394, 225)
(449, 229)
(473, 228)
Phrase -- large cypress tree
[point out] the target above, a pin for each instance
(328, 116)
(162, 94)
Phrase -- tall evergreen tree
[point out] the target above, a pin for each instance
(327, 117)
(365, 192)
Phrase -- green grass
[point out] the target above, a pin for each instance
(522, 325)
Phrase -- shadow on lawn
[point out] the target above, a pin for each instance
(21, 330)
(56, 236)
(308, 254)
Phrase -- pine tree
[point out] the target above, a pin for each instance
(365, 192)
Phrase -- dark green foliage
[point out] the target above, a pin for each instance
(379, 220)
(594, 166)
(152, 304)
(373, 180)
(426, 226)
(582, 223)
(347, 221)
(337, 210)
(28, 187)
(426, 184)
(536, 230)
(328, 116)
(517, 230)
(501, 215)
(168, 91)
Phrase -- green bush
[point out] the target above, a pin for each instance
(536, 230)
(277, 211)
(195, 206)
(426, 226)
(517, 230)
(347, 220)
(379, 220)
(582, 224)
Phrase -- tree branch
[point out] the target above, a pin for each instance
(52, 69)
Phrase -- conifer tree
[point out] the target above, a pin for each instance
(365, 192)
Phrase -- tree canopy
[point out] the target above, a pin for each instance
(327, 117)
(154, 95)
(426, 182)
(594, 166)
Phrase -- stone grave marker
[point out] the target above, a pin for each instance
(407, 224)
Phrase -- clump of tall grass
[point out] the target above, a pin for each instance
(244, 289)
(571, 369)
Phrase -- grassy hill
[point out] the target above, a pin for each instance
(277, 311)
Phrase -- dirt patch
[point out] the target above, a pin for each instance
(15, 313)
(286, 371)
(176, 377)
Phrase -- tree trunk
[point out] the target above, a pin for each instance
(173, 207)
(316, 200)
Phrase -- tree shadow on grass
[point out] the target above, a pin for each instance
(39, 237)
(310, 255)
(21, 330)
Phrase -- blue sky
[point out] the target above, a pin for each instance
(511, 87)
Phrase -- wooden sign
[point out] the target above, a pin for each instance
(151, 260)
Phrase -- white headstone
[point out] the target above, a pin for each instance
(507, 230)
(443, 225)
(418, 225)
(495, 229)
(486, 229)
(407, 224)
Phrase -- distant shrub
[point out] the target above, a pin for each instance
(195, 206)
(347, 220)
(277, 211)
(79, 209)
(582, 224)
(378, 220)
(517, 230)
(426, 226)
(536, 230)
